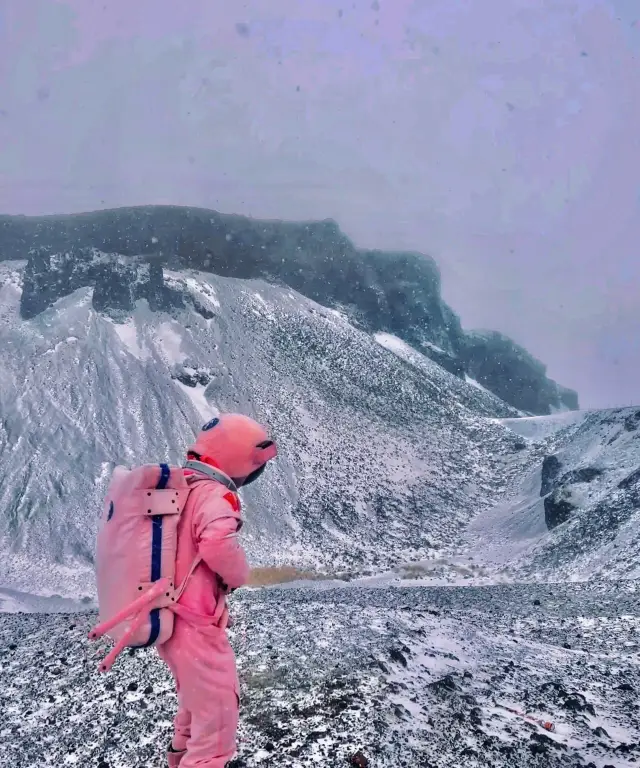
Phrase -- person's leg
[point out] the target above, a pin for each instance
(213, 730)
(205, 672)
(182, 721)
(181, 727)
(174, 758)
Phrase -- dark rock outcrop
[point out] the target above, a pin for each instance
(558, 508)
(551, 467)
(558, 503)
(582, 475)
(630, 480)
(121, 254)
(191, 378)
(514, 375)
(117, 282)
(394, 292)
(632, 422)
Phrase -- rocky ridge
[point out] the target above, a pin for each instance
(121, 253)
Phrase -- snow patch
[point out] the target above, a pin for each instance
(68, 340)
(11, 279)
(410, 355)
(128, 335)
(476, 384)
(169, 344)
(204, 288)
(262, 309)
(104, 473)
(435, 347)
(338, 314)
(541, 427)
(393, 344)
(198, 400)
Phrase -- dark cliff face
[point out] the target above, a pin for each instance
(511, 373)
(394, 292)
(121, 254)
(118, 282)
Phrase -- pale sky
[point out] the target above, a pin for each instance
(500, 136)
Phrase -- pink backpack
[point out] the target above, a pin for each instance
(136, 555)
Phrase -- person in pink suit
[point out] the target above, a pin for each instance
(233, 450)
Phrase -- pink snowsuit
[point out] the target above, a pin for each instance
(198, 653)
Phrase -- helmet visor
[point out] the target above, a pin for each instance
(242, 481)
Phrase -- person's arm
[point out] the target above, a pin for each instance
(216, 534)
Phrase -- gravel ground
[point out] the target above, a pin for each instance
(387, 677)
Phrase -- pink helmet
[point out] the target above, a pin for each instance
(237, 445)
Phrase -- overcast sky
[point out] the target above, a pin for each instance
(500, 136)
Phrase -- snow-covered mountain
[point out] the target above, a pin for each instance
(399, 469)
(397, 293)
(386, 455)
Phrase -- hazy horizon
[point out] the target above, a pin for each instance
(502, 141)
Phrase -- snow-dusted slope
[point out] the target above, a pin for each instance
(575, 513)
(481, 400)
(383, 459)
(385, 456)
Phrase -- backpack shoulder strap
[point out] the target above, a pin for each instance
(220, 477)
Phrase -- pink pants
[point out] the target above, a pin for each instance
(204, 668)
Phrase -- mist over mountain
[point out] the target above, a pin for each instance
(393, 292)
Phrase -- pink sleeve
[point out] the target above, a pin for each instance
(216, 533)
